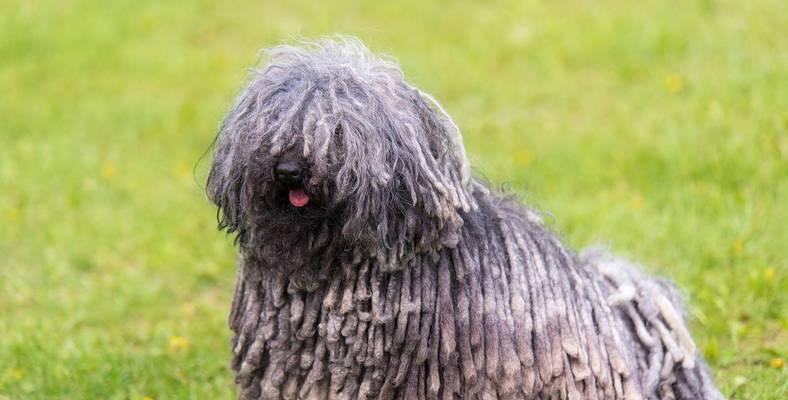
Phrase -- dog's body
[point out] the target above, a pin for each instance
(373, 265)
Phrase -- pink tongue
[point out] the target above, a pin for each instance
(297, 197)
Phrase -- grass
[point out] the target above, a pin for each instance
(656, 127)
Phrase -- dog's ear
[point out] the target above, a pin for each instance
(427, 185)
(227, 183)
(222, 190)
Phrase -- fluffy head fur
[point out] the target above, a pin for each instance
(403, 276)
(386, 172)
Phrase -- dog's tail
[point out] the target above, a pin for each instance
(653, 310)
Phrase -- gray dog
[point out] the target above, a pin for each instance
(374, 265)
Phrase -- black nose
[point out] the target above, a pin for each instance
(288, 172)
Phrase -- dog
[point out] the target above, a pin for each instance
(373, 265)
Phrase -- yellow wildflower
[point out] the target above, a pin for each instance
(523, 157)
(108, 171)
(148, 24)
(768, 274)
(182, 172)
(11, 214)
(674, 83)
(776, 363)
(738, 246)
(16, 374)
(178, 344)
(638, 202)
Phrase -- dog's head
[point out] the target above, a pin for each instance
(330, 153)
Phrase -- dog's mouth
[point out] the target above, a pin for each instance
(297, 197)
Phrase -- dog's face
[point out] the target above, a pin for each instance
(329, 151)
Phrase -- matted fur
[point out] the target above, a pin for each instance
(405, 278)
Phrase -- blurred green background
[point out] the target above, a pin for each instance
(659, 128)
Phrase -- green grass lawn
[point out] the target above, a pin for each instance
(659, 129)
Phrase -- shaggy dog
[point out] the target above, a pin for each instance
(372, 264)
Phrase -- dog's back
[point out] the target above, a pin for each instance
(652, 310)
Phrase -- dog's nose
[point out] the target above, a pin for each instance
(288, 172)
